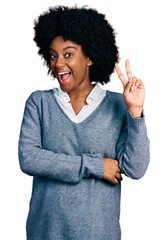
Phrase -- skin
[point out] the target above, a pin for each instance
(133, 91)
(68, 56)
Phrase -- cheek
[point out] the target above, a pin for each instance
(74, 66)
(51, 64)
(52, 67)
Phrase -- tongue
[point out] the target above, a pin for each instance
(65, 76)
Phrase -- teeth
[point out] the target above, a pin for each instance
(62, 73)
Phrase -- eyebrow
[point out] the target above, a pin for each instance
(64, 48)
(69, 47)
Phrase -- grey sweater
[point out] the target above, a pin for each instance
(70, 200)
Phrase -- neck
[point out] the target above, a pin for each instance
(81, 92)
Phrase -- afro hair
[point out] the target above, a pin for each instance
(85, 27)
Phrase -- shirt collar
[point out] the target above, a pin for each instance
(93, 95)
(63, 95)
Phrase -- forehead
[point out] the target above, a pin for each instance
(58, 43)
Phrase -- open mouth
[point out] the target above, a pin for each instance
(63, 76)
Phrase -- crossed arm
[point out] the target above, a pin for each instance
(36, 161)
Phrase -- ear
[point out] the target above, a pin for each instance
(90, 62)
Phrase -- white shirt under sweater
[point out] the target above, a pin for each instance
(94, 98)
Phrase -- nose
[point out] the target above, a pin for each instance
(60, 62)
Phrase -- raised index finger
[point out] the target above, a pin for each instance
(121, 75)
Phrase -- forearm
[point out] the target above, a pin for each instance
(133, 148)
(62, 167)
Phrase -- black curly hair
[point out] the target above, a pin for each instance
(82, 26)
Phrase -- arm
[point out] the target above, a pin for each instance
(36, 161)
(133, 144)
(133, 148)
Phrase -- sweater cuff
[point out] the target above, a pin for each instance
(93, 165)
(138, 124)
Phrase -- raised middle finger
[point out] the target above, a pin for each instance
(128, 69)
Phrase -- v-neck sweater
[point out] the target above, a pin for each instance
(70, 199)
(93, 100)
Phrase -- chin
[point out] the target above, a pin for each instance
(65, 88)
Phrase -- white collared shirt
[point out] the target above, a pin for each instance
(94, 98)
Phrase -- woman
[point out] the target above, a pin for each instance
(77, 140)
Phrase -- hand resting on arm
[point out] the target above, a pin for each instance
(112, 171)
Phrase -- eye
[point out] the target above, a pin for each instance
(67, 55)
(52, 56)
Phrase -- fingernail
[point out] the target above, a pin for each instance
(132, 88)
(130, 79)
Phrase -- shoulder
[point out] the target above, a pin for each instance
(36, 101)
(38, 95)
(114, 95)
(115, 105)
(115, 99)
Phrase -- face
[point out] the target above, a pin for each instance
(70, 65)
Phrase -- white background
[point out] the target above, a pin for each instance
(142, 37)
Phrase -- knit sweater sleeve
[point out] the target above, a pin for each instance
(133, 147)
(36, 161)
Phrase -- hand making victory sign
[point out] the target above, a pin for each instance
(134, 91)
(134, 95)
